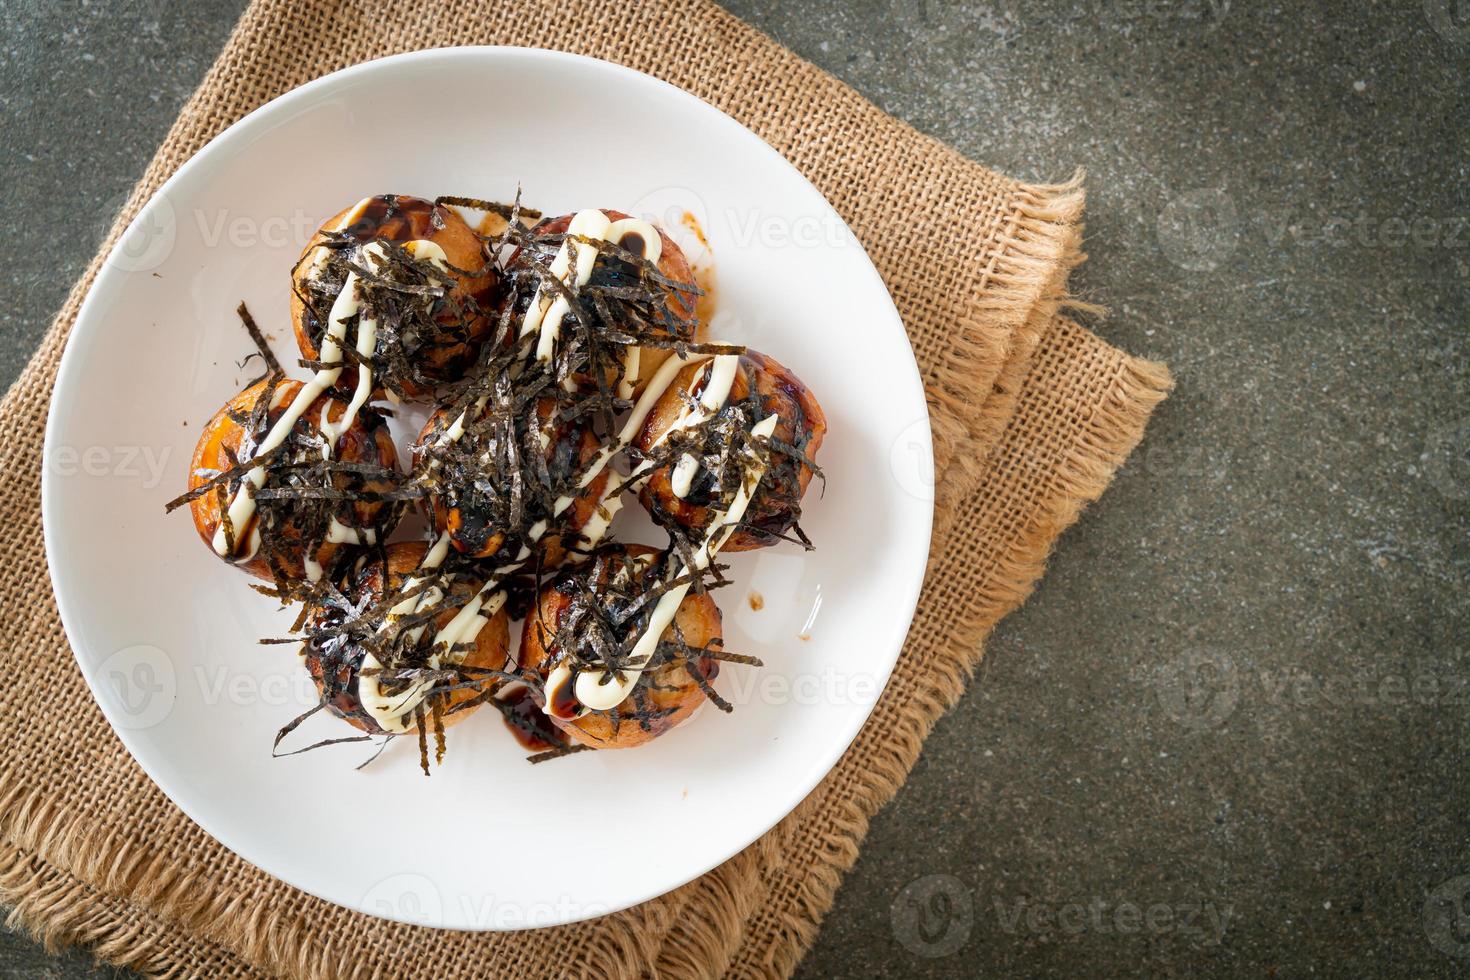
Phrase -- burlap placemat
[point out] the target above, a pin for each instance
(1031, 413)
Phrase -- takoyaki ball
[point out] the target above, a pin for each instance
(776, 506)
(674, 266)
(472, 494)
(379, 704)
(423, 340)
(290, 536)
(578, 614)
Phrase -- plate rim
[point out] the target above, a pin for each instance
(905, 605)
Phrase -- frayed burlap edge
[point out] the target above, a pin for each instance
(1023, 287)
(1085, 473)
(59, 910)
(1050, 230)
(128, 904)
(163, 911)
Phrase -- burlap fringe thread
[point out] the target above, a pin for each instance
(1022, 298)
(1020, 292)
(79, 899)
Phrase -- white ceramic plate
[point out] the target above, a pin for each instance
(166, 634)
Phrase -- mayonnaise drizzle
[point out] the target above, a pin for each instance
(347, 305)
(600, 691)
(720, 380)
(721, 377)
(394, 712)
(389, 712)
(322, 254)
(545, 316)
(546, 313)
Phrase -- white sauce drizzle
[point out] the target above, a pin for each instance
(632, 364)
(393, 712)
(660, 383)
(545, 313)
(463, 628)
(390, 712)
(347, 305)
(597, 525)
(597, 690)
(545, 316)
(322, 254)
(721, 374)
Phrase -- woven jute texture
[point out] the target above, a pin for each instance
(1032, 415)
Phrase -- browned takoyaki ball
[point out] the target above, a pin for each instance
(456, 325)
(671, 262)
(775, 508)
(335, 661)
(292, 529)
(665, 695)
(473, 502)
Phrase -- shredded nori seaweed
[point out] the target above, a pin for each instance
(352, 616)
(727, 452)
(532, 427)
(428, 327)
(303, 491)
(609, 602)
(525, 444)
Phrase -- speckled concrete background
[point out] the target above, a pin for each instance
(1228, 734)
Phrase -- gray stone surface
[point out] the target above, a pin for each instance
(1227, 736)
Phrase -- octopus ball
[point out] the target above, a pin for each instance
(441, 344)
(473, 503)
(301, 533)
(337, 664)
(557, 648)
(775, 507)
(672, 263)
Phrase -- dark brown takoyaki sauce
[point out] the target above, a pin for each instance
(634, 244)
(701, 382)
(528, 723)
(564, 702)
(398, 219)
